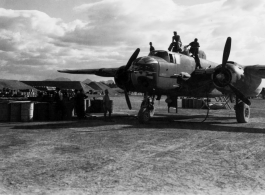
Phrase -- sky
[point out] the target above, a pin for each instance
(39, 37)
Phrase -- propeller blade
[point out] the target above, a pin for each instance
(132, 58)
(240, 95)
(127, 98)
(226, 53)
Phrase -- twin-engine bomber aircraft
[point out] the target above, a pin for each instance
(174, 74)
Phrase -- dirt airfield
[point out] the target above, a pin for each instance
(173, 154)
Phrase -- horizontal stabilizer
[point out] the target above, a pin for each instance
(103, 72)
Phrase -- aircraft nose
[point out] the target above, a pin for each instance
(145, 64)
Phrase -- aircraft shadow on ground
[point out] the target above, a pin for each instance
(182, 117)
(159, 122)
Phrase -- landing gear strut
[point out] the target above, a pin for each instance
(242, 112)
(147, 109)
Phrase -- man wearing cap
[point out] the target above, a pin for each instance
(194, 50)
(151, 47)
(106, 105)
(176, 43)
(60, 111)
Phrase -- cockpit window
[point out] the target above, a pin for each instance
(161, 54)
(172, 58)
(146, 63)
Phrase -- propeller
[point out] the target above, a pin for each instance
(240, 95)
(132, 58)
(226, 54)
(127, 98)
(124, 80)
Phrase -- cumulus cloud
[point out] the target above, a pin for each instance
(243, 4)
(35, 45)
(29, 45)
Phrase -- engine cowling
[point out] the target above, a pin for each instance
(221, 78)
(230, 74)
(123, 78)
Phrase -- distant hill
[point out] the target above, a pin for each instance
(87, 81)
(58, 79)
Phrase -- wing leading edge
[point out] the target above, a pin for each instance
(258, 70)
(103, 72)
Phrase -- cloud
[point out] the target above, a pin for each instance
(38, 45)
(192, 2)
(243, 4)
(29, 45)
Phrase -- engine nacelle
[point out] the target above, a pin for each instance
(230, 74)
(221, 77)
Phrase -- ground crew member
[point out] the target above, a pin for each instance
(151, 47)
(106, 105)
(80, 104)
(176, 43)
(194, 50)
(60, 110)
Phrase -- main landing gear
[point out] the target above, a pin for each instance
(147, 109)
(242, 112)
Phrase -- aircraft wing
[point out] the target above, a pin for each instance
(103, 72)
(258, 69)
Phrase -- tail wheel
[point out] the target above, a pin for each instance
(242, 113)
(144, 115)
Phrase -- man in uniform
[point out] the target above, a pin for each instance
(194, 50)
(106, 105)
(80, 104)
(151, 47)
(60, 109)
(176, 43)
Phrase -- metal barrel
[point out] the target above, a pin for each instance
(27, 109)
(5, 111)
(15, 111)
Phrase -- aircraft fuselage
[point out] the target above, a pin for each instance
(158, 72)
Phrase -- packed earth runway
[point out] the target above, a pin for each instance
(173, 154)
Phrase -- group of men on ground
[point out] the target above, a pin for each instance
(79, 104)
(176, 44)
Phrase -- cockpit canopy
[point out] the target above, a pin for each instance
(160, 54)
(168, 55)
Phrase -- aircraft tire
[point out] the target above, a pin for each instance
(144, 115)
(242, 113)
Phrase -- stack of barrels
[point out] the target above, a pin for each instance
(26, 111)
(15, 111)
